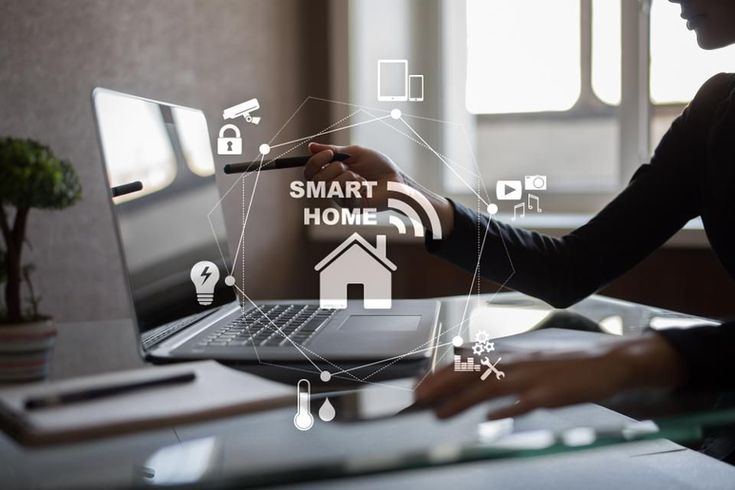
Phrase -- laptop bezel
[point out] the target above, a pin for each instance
(115, 222)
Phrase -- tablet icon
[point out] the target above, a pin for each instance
(396, 85)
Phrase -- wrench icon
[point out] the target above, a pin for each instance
(491, 369)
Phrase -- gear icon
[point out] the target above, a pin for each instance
(478, 348)
(488, 346)
(482, 337)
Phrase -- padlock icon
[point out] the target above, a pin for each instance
(229, 146)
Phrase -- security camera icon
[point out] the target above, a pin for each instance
(243, 110)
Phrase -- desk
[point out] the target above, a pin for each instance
(238, 445)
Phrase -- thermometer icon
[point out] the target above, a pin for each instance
(303, 420)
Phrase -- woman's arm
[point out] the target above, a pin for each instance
(661, 197)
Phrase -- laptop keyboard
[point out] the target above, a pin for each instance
(270, 326)
(152, 337)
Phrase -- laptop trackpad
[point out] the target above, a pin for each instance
(380, 323)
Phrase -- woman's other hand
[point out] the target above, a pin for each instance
(558, 379)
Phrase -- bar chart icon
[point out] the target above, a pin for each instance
(466, 366)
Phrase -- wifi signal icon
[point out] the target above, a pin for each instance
(413, 216)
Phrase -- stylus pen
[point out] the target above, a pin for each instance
(60, 399)
(290, 162)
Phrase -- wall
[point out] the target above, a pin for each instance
(202, 54)
(211, 55)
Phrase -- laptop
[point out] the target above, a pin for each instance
(160, 171)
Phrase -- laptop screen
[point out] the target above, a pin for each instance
(168, 219)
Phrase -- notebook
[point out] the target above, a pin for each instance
(216, 391)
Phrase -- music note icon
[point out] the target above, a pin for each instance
(531, 197)
(515, 210)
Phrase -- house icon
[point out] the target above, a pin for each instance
(356, 261)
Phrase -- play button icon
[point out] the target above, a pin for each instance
(508, 190)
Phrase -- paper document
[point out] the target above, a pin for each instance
(216, 391)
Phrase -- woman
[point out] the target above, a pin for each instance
(692, 173)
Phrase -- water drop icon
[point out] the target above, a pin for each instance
(326, 411)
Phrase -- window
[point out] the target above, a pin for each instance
(546, 87)
(194, 139)
(578, 90)
(543, 107)
(522, 63)
(136, 143)
(606, 50)
(678, 66)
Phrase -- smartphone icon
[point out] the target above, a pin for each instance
(416, 88)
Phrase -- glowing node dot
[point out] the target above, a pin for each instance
(492, 208)
(395, 113)
(325, 376)
(457, 341)
(264, 149)
(230, 280)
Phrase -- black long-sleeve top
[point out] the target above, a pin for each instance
(692, 173)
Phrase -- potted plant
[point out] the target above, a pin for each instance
(31, 176)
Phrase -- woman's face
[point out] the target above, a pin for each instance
(712, 20)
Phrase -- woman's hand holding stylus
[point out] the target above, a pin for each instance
(368, 165)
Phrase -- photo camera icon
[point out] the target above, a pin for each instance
(244, 109)
(534, 182)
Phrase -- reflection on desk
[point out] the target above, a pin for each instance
(239, 447)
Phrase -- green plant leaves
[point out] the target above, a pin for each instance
(31, 176)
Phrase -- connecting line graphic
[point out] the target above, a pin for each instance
(278, 329)
(255, 185)
(241, 179)
(468, 142)
(458, 326)
(422, 145)
(299, 347)
(323, 131)
(512, 269)
(312, 136)
(419, 140)
(246, 216)
(367, 110)
(476, 272)
(394, 358)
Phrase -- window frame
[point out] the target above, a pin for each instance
(633, 113)
(449, 27)
(447, 36)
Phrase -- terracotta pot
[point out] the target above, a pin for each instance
(25, 350)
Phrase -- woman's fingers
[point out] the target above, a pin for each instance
(471, 394)
(353, 150)
(318, 162)
(439, 385)
(331, 171)
(483, 390)
(315, 148)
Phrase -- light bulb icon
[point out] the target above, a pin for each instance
(204, 275)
